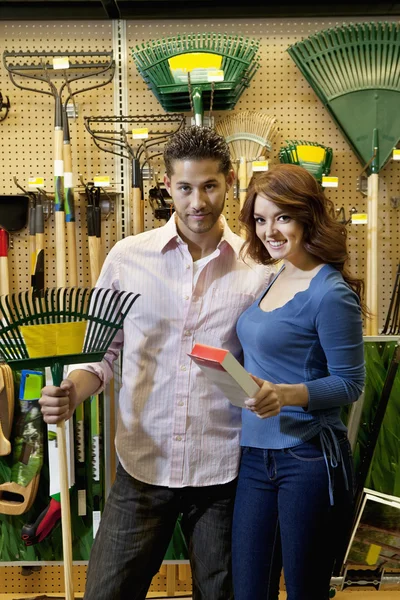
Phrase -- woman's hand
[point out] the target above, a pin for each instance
(268, 401)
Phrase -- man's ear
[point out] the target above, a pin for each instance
(230, 178)
(167, 183)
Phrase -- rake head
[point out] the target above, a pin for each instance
(354, 70)
(131, 136)
(61, 325)
(313, 157)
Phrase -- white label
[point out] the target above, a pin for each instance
(259, 165)
(140, 134)
(332, 182)
(60, 62)
(68, 180)
(215, 75)
(359, 218)
(35, 182)
(96, 521)
(101, 181)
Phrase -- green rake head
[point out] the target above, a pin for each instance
(317, 159)
(197, 71)
(354, 70)
(61, 326)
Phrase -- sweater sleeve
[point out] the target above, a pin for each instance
(339, 327)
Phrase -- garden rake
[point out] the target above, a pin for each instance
(250, 135)
(59, 327)
(313, 157)
(354, 70)
(144, 139)
(192, 72)
(64, 74)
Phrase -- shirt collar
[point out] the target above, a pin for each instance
(169, 232)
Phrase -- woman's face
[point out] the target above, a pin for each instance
(281, 235)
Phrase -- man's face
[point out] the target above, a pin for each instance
(198, 190)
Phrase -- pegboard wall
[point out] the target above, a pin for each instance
(278, 88)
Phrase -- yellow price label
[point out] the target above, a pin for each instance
(359, 218)
(259, 165)
(217, 75)
(101, 181)
(140, 134)
(60, 62)
(35, 182)
(396, 154)
(330, 181)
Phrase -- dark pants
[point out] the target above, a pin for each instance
(136, 528)
(283, 516)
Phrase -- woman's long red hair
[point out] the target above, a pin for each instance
(297, 192)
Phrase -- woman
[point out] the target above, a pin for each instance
(302, 342)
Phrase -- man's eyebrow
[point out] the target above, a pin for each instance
(204, 182)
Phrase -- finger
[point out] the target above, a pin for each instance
(267, 414)
(66, 385)
(257, 379)
(54, 401)
(52, 390)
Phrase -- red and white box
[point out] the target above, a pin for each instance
(222, 368)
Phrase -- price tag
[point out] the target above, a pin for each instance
(330, 181)
(217, 75)
(140, 134)
(60, 62)
(35, 182)
(359, 218)
(396, 154)
(101, 181)
(259, 165)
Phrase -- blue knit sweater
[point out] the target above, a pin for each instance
(315, 339)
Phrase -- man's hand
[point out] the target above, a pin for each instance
(268, 401)
(59, 403)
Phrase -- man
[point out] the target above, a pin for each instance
(177, 436)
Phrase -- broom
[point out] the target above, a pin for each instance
(77, 325)
(354, 70)
(249, 135)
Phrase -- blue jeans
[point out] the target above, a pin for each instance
(283, 516)
(137, 524)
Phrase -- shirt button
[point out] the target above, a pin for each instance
(183, 368)
(178, 438)
(186, 297)
(188, 266)
(188, 332)
(180, 403)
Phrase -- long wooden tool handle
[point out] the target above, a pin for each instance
(59, 208)
(69, 207)
(65, 511)
(137, 200)
(372, 254)
(242, 176)
(4, 271)
(32, 242)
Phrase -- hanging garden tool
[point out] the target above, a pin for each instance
(69, 203)
(392, 323)
(354, 70)
(18, 494)
(313, 157)
(60, 72)
(57, 328)
(6, 408)
(250, 135)
(13, 217)
(4, 107)
(148, 132)
(198, 72)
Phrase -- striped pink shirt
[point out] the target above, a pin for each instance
(175, 428)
